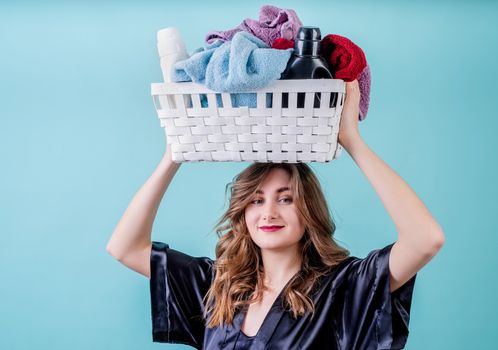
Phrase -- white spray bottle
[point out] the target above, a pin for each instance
(171, 49)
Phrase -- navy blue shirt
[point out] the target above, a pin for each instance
(354, 308)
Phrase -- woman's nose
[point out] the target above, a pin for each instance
(270, 210)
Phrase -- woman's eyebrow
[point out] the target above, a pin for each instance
(281, 189)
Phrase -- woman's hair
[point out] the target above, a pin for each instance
(239, 266)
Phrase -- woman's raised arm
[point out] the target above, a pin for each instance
(130, 242)
(420, 236)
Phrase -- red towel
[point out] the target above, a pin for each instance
(345, 58)
(282, 44)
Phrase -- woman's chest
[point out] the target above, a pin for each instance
(276, 328)
(256, 314)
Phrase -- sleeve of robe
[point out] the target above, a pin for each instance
(371, 316)
(178, 284)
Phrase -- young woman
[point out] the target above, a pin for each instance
(280, 281)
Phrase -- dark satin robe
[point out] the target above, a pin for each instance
(354, 307)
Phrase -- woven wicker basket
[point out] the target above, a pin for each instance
(203, 125)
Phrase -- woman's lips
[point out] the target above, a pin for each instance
(271, 229)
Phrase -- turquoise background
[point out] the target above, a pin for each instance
(79, 135)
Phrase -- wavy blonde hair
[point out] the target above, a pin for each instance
(238, 266)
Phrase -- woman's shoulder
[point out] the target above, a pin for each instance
(354, 261)
(177, 260)
(354, 269)
(341, 266)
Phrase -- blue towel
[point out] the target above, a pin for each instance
(245, 63)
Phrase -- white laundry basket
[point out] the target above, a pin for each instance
(203, 125)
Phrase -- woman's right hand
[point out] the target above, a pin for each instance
(167, 152)
(168, 155)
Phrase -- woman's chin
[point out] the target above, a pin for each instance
(274, 244)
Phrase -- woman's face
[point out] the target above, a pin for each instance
(274, 206)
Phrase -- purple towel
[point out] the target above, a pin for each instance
(364, 81)
(273, 23)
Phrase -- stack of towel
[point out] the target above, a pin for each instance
(243, 64)
(255, 53)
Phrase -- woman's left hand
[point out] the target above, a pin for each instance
(348, 128)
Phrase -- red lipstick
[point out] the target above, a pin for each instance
(272, 228)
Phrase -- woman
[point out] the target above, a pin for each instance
(280, 281)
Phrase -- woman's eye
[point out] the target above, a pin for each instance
(288, 199)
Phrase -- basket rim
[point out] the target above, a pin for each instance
(277, 86)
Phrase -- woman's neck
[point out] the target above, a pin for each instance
(280, 266)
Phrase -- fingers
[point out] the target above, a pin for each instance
(352, 86)
(352, 90)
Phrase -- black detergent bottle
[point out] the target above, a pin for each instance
(306, 63)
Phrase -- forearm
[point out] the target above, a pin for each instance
(414, 223)
(134, 229)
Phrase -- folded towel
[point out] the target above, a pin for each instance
(273, 23)
(244, 64)
(348, 62)
(346, 59)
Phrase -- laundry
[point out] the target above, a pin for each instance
(282, 44)
(273, 23)
(347, 62)
(243, 64)
(364, 81)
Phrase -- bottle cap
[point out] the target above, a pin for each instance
(169, 41)
(307, 41)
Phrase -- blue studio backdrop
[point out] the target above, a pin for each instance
(79, 135)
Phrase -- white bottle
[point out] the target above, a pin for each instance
(171, 49)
